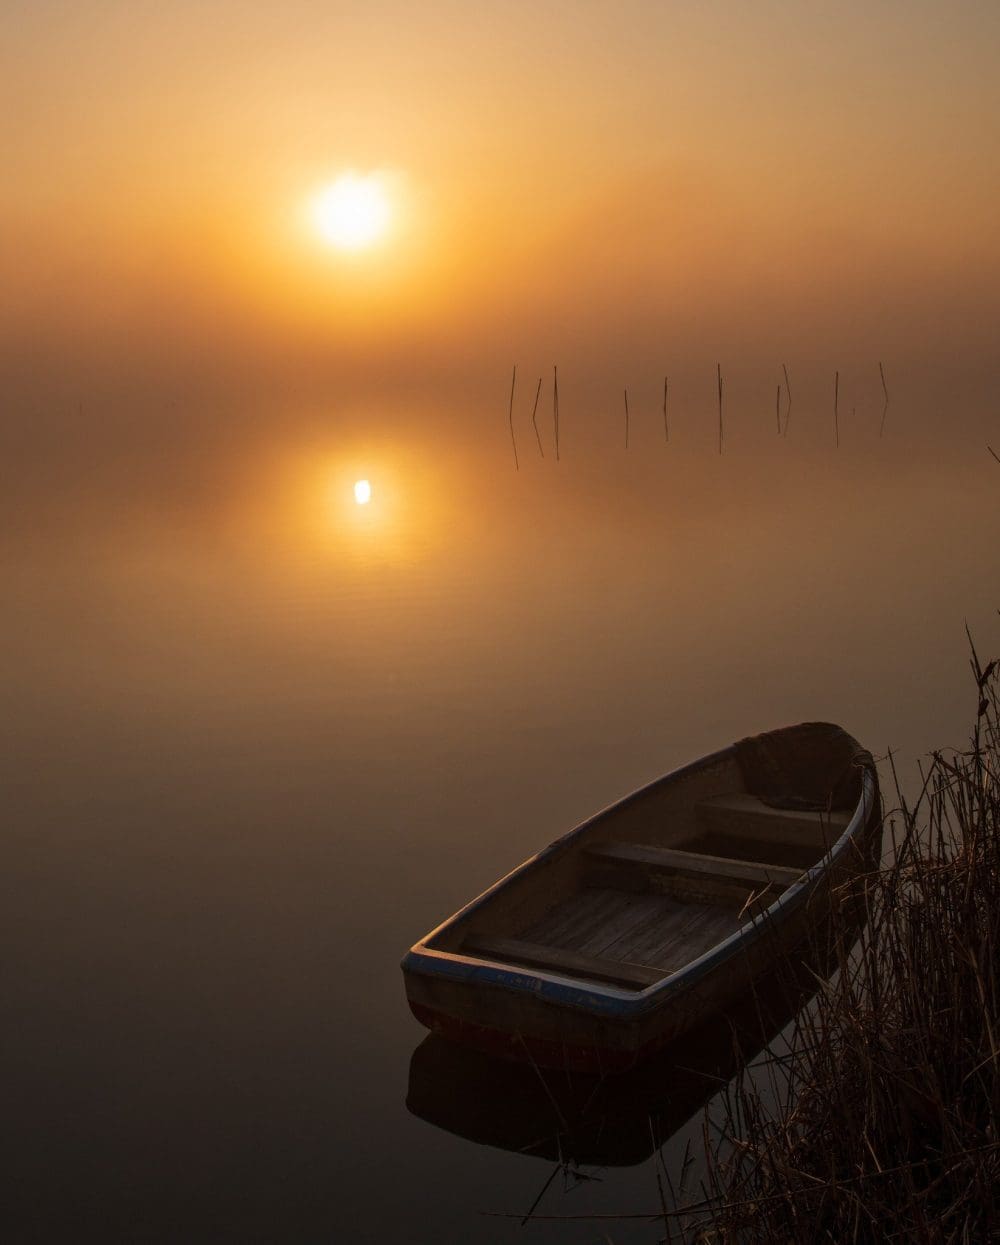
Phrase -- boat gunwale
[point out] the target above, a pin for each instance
(583, 995)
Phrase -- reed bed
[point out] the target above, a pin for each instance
(877, 1119)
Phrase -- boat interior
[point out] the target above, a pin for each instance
(649, 885)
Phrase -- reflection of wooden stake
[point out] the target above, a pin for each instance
(555, 406)
(666, 424)
(836, 407)
(885, 403)
(510, 418)
(626, 418)
(788, 395)
(718, 368)
(777, 409)
(534, 418)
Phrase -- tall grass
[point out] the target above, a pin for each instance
(878, 1120)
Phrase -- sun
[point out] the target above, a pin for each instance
(354, 212)
(362, 492)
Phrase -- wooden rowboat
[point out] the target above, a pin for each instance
(655, 914)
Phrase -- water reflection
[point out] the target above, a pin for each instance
(257, 736)
(610, 1121)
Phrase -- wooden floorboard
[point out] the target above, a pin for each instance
(637, 911)
(645, 939)
(656, 914)
(710, 928)
(619, 927)
(669, 942)
(558, 959)
(557, 925)
(573, 922)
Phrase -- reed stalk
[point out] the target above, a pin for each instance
(534, 418)
(666, 422)
(788, 395)
(880, 1117)
(555, 407)
(836, 408)
(510, 418)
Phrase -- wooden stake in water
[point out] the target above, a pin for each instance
(718, 369)
(836, 408)
(885, 401)
(626, 418)
(788, 396)
(666, 423)
(510, 418)
(555, 406)
(534, 418)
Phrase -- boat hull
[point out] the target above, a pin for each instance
(556, 1022)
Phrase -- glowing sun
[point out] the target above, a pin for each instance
(362, 492)
(353, 212)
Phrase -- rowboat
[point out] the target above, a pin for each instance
(655, 914)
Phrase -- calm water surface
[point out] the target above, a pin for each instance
(248, 759)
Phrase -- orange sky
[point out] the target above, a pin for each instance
(586, 180)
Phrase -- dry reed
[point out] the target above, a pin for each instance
(555, 406)
(534, 418)
(836, 408)
(877, 1120)
(510, 418)
(666, 422)
(788, 394)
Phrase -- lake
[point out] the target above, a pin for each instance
(258, 740)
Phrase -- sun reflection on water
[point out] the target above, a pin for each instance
(381, 504)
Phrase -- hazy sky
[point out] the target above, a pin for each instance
(600, 183)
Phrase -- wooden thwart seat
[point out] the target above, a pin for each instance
(592, 967)
(744, 815)
(673, 858)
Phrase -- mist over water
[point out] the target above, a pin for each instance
(257, 740)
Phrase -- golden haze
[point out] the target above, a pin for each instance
(609, 185)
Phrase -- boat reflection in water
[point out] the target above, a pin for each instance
(615, 1120)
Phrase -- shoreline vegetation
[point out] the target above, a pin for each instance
(876, 1117)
